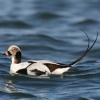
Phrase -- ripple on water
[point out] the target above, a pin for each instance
(86, 22)
(14, 24)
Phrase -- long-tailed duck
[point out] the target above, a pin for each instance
(40, 67)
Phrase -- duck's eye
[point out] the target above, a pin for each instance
(14, 49)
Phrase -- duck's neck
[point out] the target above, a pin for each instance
(17, 58)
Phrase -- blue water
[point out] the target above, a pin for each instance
(51, 30)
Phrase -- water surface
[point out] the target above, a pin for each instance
(51, 30)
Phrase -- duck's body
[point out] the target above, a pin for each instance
(39, 67)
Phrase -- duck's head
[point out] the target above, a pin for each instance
(15, 52)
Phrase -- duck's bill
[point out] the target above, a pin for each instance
(7, 53)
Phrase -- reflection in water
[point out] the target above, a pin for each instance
(16, 93)
(10, 88)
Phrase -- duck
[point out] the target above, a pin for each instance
(40, 67)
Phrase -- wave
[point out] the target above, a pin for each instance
(86, 22)
(47, 15)
(14, 24)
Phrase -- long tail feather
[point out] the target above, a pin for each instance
(87, 50)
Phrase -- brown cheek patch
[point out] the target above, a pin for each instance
(52, 67)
